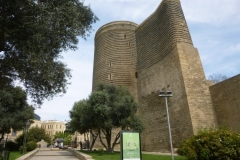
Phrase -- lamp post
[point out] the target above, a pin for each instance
(25, 136)
(168, 94)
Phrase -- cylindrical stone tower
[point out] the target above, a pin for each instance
(115, 56)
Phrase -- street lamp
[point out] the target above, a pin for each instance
(168, 94)
(25, 135)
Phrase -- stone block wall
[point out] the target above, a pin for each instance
(167, 60)
(157, 35)
(115, 55)
(226, 100)
(165, 75)
(115, 59)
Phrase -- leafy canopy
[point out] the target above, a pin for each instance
(107, 108)
(33, 34)
(212, 144)
(36, 134)
(14, 109)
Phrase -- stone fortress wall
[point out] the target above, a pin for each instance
(226, 100)
(157, 55)
(115, 55)
(167, 60)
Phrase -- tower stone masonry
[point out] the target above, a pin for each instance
(157, 55)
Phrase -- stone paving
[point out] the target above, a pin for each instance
(53, 155)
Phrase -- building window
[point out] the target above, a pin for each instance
(110, 76)
(13, 133)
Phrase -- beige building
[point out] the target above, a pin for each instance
(53, 126)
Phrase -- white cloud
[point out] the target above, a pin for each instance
(213, 12)
(234, 48)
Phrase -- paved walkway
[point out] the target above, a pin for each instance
(53, 155)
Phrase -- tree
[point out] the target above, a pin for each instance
(33, 34)
(216, 78)
(108, 108)
(37, 134)
(81, 122)
(65, 135)
(14, 109)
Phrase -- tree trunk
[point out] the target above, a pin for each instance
(115, 141)
(99, 134)
(2, 136)
(108, 135)
(94, 139)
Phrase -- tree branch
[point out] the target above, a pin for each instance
(99, 133)
(116, 139)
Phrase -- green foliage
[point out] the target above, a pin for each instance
(19, 140)
(65, 135)
(100, 151)
(33, 34)
(212, 144)
(108, 107)
(11, 145)
(113, 106)
(21, 149)
(36, 134)
(14, 109)
(31, 145)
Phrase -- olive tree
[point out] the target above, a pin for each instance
(109, 107)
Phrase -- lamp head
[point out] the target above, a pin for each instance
(169, 92)
(161, 93)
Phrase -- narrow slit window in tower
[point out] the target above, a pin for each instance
(110, 77)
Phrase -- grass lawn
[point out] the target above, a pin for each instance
(14, 155)
(116, 156)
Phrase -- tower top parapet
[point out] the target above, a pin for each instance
(128, 25)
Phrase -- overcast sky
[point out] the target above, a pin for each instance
(214, 27)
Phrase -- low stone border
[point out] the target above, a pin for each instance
(28, 155)
(79, 155)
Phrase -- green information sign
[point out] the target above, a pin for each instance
(130, 145)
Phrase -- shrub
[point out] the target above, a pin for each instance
(11, 145)
(212, 144)
(100, 151)
(21, 149)
(31, 145)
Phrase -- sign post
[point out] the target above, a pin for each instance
(130, 145)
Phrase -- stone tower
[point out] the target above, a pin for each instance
(157, 55)
(115, 55)
(167, 60)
